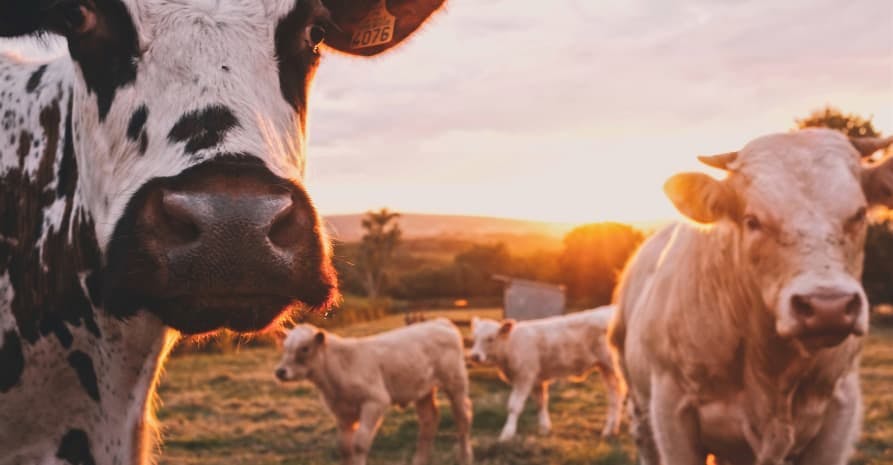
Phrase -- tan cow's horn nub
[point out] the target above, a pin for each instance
(721, 161)
(869, 145)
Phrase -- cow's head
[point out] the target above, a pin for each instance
(189, 132)
(795, 206)
(301, 350)
(490, 339)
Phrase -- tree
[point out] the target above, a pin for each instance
(477, 265)
(593, 257)
(377, 248)
(850, 124)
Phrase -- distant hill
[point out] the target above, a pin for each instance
(347, 228)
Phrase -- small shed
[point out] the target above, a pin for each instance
(524, 299)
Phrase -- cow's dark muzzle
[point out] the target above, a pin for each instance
(225, 244)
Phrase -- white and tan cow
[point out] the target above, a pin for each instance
(151, 182)
(740, 336)
(359, 378)
(531, 354)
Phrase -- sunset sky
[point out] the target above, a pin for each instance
(578, 110)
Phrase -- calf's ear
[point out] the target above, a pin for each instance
(877, 183)
(702, 198)
(320, 338)
(506, 327)
(369, 27)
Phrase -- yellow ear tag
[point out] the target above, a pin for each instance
(375, 29)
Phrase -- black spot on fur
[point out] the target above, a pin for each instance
(12, 361)
(296, 63)
(108, 57)
(203, 129)
(48, 296)
(35, 78)
(83, 366)
(144, 143)
(75, 448)
(137, 122)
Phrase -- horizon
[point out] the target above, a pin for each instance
(581, 114)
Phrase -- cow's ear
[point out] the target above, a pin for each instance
(877, 183)
(369, 27)
(702, 198)
(506, 327)
(320, 338)
(24, 17)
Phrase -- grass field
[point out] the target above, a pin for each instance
(228, 409)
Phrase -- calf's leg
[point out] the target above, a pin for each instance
(370, 419)
(429, 416)
(834, 443)
(460, 405)
(345, 441)
(541, 394)
(614, 391)
(520, 391)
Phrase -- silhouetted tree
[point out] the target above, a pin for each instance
(593, 256)
(381, 238)
(850, 124)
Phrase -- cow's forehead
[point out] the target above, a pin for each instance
(785, 172)
(145, 11)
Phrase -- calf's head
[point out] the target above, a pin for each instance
(795, 208)
(301, 348)
(490, 339)
(189, 135)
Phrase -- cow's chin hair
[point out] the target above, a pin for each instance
(243, 314)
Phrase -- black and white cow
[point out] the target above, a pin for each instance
(150, 185)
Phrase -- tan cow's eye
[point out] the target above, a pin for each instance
(858, 218)
(752, 223)
(305, 349)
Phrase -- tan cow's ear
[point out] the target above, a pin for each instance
(721, 161)
(877, 183)
(369, 27)
(506, 327)
(701, 198)
(867, 146)
(320, 338)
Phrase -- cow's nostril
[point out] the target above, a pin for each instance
(854, 305)
(178, 218)
(280, 373)
(802, 307)
(288, 227)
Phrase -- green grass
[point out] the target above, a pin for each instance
(227, 409)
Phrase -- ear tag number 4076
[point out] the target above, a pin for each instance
(375, 29)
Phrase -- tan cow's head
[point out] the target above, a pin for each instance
(490, 339)
(301, 350)
(796, 204)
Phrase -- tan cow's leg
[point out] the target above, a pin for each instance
(520, 391)
(429, 416)
(370, 420)
(674, 424)
(614, 392)
(640, 428)
(462, 414)
(834, 443)
(541, 394)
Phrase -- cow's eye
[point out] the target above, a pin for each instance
(752, 223)
(73, 19)
(305, 349)
(316, 34)
(489, 339)
(858, 218)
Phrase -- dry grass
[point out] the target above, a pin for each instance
(228, 409)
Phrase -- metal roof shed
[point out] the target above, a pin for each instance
(524, 299)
